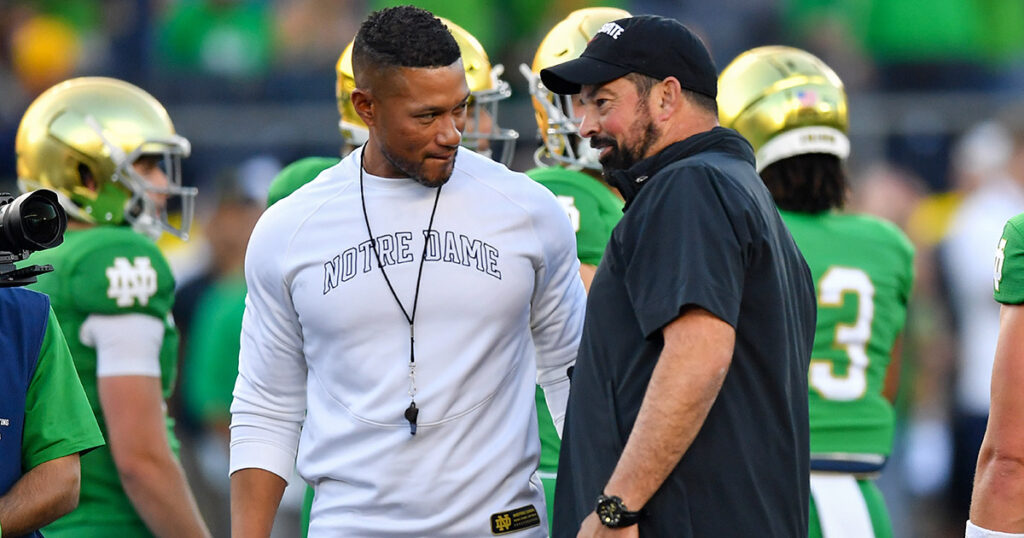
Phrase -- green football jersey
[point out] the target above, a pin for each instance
(592, 208)
(863, 272)
(107, 270)
(1009, 267)
(296, 175)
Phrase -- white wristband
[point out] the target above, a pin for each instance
(974, 531)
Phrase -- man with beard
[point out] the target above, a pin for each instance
(412, 383)
(688, 410)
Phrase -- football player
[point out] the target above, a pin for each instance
(482, 133)
(997, 505)
(568, 167)
(793, 110)
(111, 153)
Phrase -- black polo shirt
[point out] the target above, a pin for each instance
(702, 231)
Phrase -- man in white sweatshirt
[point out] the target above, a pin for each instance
(400, 309)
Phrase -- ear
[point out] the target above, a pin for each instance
(667, 98)
(363, 102)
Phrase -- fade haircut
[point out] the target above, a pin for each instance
(403, 36)
(807, 183)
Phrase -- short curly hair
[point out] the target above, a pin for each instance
(807, 183)
(402, 36)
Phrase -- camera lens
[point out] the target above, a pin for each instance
(40, 220)
(32, 221)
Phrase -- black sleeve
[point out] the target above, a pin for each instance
(686, 250)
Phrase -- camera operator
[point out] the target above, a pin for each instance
(45, 420)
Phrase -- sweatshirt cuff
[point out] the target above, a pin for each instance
(261, 454)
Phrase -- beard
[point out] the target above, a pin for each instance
(418, 172)
(621, 157)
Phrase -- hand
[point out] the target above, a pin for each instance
(592, 528)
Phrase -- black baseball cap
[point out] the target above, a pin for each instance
(655, 46)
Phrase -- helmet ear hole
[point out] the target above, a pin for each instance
(86, 176)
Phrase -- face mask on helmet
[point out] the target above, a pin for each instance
(83, 138)
(557, 122)
(152, 173)
(482, 133)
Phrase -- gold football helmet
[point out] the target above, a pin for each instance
(486, 88)
(558, 127)
(786, 102)
(81, 138)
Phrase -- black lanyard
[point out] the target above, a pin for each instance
(411, 412)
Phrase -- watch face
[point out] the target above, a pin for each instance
(609, 511)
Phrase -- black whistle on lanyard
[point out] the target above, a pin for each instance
(411, 413)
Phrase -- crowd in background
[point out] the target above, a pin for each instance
(937, 127)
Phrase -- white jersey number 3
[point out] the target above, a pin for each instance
(836, 282)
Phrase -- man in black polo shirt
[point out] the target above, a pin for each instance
(688, 409)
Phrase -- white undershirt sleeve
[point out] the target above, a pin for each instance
(269, 403)
(126, 344)
(558, 305)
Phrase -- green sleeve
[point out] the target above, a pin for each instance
(296, 175)
(1009, 264)
(58, 419)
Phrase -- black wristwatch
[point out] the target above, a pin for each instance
(614, 514)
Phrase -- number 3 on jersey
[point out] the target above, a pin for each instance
(853, 339)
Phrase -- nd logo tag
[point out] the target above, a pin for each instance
(514, 520)
(503, 522)
(130, 282)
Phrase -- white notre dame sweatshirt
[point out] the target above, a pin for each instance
(324, 365)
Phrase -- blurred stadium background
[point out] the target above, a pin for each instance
(937, 126)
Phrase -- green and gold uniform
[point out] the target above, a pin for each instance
(107, 270)
(863, 271)
(1009, 267)
(594, 212)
